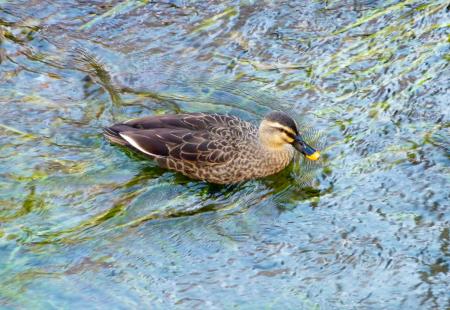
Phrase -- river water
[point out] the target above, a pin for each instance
(85, 224)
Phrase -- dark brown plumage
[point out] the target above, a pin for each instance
(216, 148)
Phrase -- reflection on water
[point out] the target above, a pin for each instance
(366, 228)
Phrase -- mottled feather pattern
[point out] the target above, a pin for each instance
(212, 147)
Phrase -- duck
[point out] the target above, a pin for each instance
(216, 148)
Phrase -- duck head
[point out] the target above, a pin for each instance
(278, 129)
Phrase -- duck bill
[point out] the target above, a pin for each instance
(304, 148)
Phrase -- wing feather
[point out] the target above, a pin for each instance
(149, 144)
(197, 137)
(193, 121)
(177, 144)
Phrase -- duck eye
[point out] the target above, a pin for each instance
(288, 133)
(287, 136)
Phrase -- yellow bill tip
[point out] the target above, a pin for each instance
(313, 156)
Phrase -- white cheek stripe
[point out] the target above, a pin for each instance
(279, 126)
(135, 144)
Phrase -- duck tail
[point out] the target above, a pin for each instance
(113, 135)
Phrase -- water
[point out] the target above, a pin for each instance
(86, 224)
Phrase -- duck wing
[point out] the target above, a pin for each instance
(192, 121)
(201, 138)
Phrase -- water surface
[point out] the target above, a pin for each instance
(87, 224)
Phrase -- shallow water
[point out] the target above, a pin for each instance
(86, 224)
